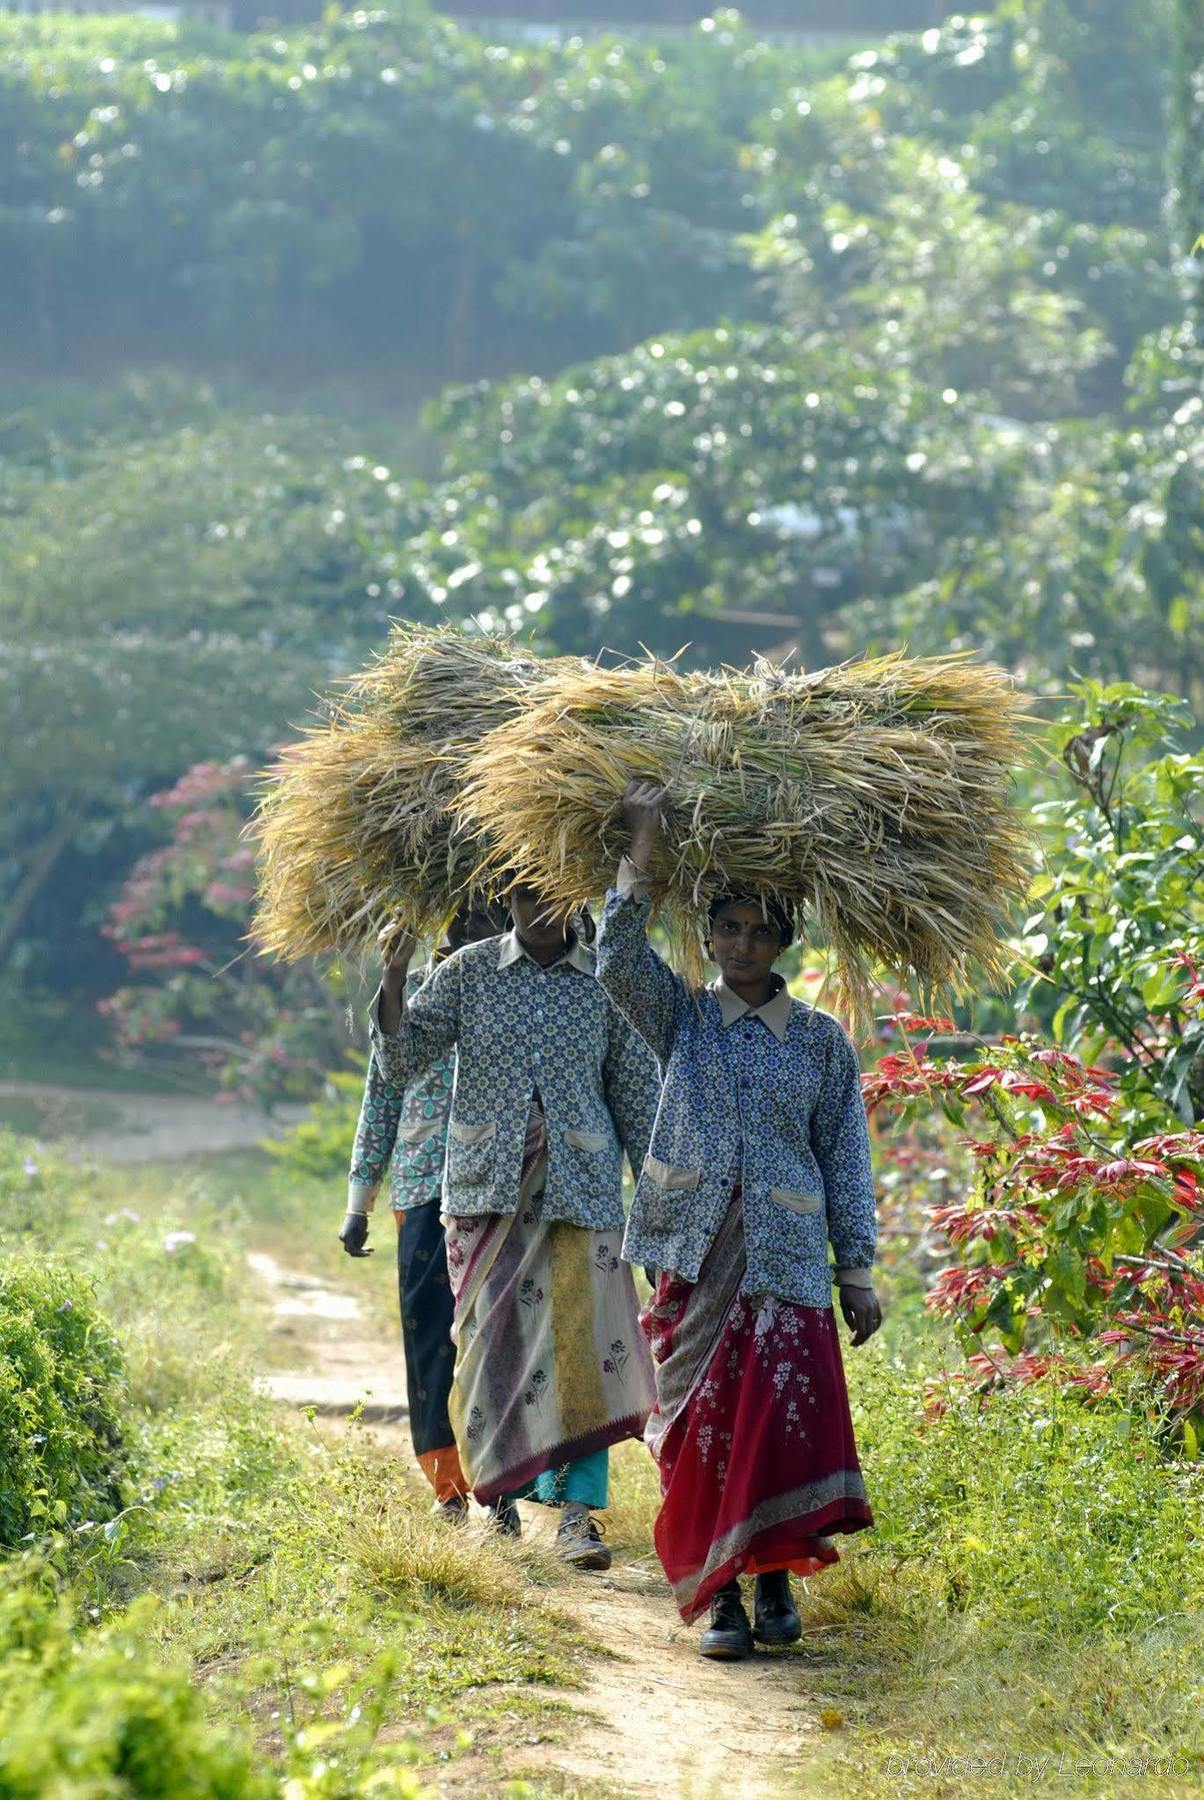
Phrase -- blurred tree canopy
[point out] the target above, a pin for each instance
(169, 595)
(390, 183)
(724, 487)
(750, 347)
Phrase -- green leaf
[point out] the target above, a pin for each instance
(1058, 1024)
(1159, 989)
(953, 1109)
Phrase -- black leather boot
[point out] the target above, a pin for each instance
(775, 1616)
(503, 1517)
(728, 1637)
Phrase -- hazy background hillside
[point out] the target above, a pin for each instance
(697, 332)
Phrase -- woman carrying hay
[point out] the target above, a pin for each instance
(759, 1158)
(552, 1086)
(405, 1131)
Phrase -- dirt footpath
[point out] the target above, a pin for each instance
(655, 1718)
(139, 1128)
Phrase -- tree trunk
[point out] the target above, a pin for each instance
(31, 883)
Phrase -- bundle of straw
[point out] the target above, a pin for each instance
(874, 796)
(353, 828)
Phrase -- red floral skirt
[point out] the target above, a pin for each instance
(751, 1430)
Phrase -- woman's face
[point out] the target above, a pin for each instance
(474, 923)
(744, 944)
(537, 922)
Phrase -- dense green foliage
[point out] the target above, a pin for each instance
(105, 1715)
(832, 354)
(61, 1388)
(1119, 935)
(718, 488)
(388, 173)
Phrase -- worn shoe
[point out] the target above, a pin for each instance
(579, 1542)
(504, 1519)
(454, 1509)
(775, 1616)
(728, 1637)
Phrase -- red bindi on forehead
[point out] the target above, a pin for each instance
(742, 914)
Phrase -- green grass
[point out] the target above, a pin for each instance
(1034, 1586)
(295, 1567)
(1026, 1612)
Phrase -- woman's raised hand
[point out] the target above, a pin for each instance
(397, 947)
(643, 807)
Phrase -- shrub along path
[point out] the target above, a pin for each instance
(653, 1718)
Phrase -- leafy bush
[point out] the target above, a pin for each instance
(1059, 101)
(1118, 935)
(321, 1144)
(701, 484)
(61, 1383)
(1111, 1542)
(266, 1029)
(85, 1714)
(909, 262)
(1081, 1225)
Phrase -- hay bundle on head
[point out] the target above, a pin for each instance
(873, 796)
(353, 828)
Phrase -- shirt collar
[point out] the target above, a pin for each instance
(775, 1012)
(577, 956)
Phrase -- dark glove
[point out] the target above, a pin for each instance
(862, 1312)
(354, 1234)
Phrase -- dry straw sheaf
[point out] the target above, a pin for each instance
(353, 830)
(875, 796)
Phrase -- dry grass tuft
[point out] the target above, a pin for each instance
(408, 1551)
(353, 828)
(635, 1499)
(874, 795)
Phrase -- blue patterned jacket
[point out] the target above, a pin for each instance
(770, 1099)
(516, 1027)
(404, 1131)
